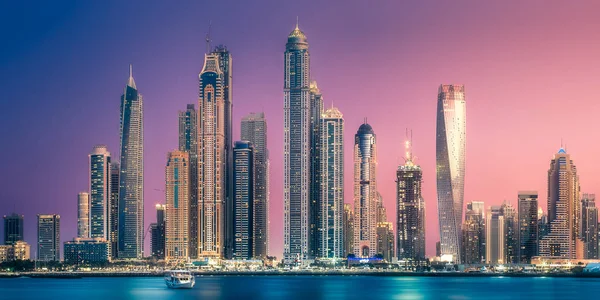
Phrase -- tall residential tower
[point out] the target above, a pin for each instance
(297, 148)
(99, 213)
(188, 142)
(212, 169)
(365, 192)
(254, 130)
(131, 179)
(331, 199)
(450, 167)
(177, 174)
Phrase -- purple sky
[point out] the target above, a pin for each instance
(531, 71)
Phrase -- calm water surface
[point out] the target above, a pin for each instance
(304, 287)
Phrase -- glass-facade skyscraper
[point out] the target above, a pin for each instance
(13, 229)
(100, 178)
(188, 142)
(225, 65)
(331, 199)
(177, 174)
(410, 238)
(365, 192)
(131, 179)
(254, 130)
(212, 185)
(564, 209)
(589, 226)
(528, 225)
(113, 226)
(244, 175)
(297, 148)
(48, 229)
(450, 167)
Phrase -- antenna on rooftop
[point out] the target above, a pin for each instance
(208, 40)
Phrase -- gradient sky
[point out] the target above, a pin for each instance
(531, 71)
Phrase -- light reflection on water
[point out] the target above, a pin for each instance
(305, 287)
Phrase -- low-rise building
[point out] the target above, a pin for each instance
(86, 250)
(19, 250)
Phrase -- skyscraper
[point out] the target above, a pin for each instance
(564, 209)
(450, 167)
(410, 207)
(83, 215)
(131, 179)
(348, 230)
(13, 229)
(331, 199)
(99, 210)
(212, 185)
(244, 174)
(528, 226)
(511, 233)
(316, 108)
(297, 150)
(225, 65)
(113, 224)
(177, 174)
(254, 130)
(365, 192)
(158, 233)
(188, 142)
(495, 237)
(48, 238)
(474, 234)
(589, 226)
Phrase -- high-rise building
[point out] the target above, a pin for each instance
(225, 65)
(348, 230)
(244, 175)
(131, 179)
(188, 142)
(564, 209)
(212, 168)
(410, 205)
(48, 248)
(254, 130)
(528, 225)
(589, 226)
(177, 174)
(83, 215)
(474, 234)
(331, 199)
(316, 108)
(385, 240)
(13, 228)
(99, 210)
(113, 208)
(297, 148)
(450, 167)
(511, 233)
(495, 237)
(365, 192)
(158, 233)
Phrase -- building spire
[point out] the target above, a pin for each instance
(408, 146)
(130, 81)
(297, 23)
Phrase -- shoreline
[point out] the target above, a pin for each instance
(78, 275)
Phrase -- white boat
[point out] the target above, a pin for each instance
(179, 279)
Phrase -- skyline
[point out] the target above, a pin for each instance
(62, 118)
